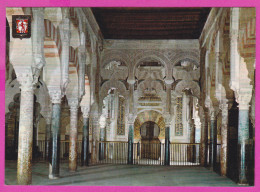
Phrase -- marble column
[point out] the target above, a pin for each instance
(224, 139)
(47, 136)
(167, 145)
(54, 146)
(192, 140)
(204, 139)
(102, 124)
(85, 138)
(130, 159)
(243, 137)
(213, 141)
(24, 163)
(95, 128)
(73, 103)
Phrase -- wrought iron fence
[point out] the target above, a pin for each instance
(115, 152)
(148, 153)
(184, 154)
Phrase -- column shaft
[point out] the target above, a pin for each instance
(85, 143)
(204, 142)
(167, 145)
(54, 146)
(73, 139)
(224, 142)
(102, 144)
(192, 140)
(213, 141)
(243, 138)
(130, 144)
(47, 140)
(24, 169)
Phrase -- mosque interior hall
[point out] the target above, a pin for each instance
(130, 96)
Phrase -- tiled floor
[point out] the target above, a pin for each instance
(123, 175)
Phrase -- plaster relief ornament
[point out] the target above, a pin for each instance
(21, 26)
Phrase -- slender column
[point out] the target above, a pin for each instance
(54, 146)
(102, 123)
(95, 128)
(192, 140)
(85, 138)
(85, 142)
(243, 137)
(24, 164)
(73, 103)
(213, 141)
(224, 139)
(167, 146)
(130, 143)
(204, 139)
(47, 136)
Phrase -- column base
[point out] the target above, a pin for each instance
(243, 184)
(53, 177)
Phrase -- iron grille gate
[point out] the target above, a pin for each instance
(181, 154)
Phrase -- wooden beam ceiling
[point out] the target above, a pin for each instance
(151, 23)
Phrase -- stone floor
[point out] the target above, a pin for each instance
(123, 175)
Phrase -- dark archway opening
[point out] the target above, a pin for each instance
(150, 148)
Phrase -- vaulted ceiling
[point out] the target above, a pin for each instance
(151, 23)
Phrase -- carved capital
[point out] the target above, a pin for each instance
(85, 111)
(168, 119)
(25, 79)
(55, 95)
(243, 98)
(74, 104)
(131, 118)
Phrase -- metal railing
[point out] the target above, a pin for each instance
(184, 154)
(149, 153)
(115, 152)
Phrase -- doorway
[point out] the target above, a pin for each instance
(150, 143)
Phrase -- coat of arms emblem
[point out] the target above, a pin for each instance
(21, 26)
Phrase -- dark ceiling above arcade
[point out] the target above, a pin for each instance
(151, 23)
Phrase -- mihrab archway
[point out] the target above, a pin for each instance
(146, 116)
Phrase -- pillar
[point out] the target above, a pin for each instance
(85, 138)
(73, 103)
(24, 163)
(224, 139)
(167, 145)
(130, 159)
(192, 140)
(54, 146)
(47, 136)
(243, 137)
(213, 141)
(204, 139)
(102, 124)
